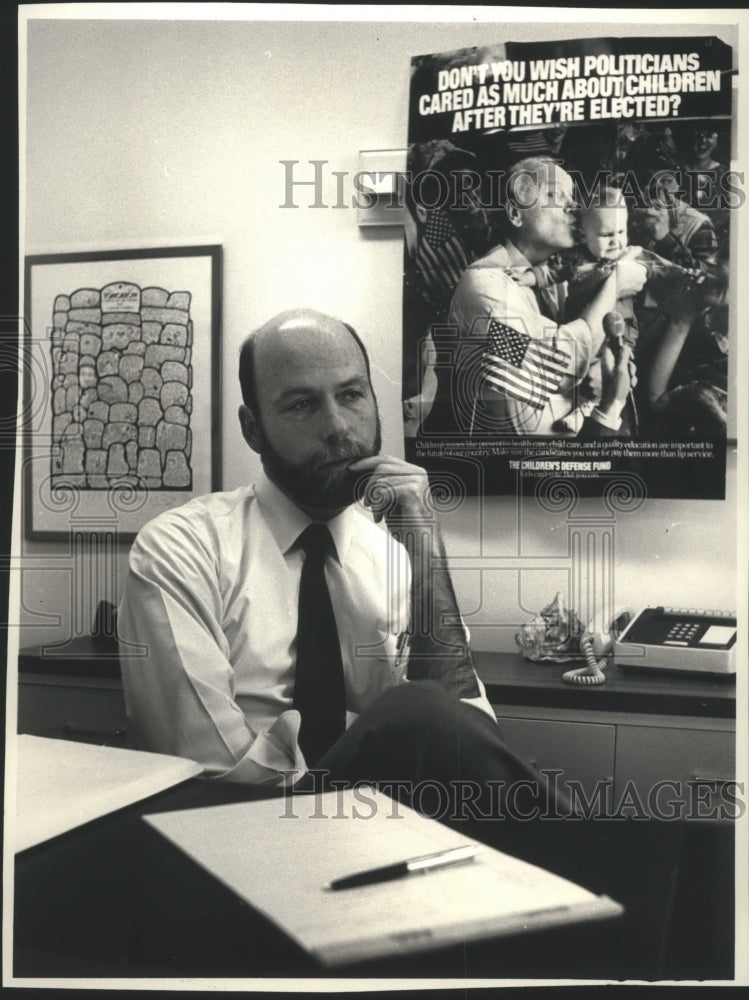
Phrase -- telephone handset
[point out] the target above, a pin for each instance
(596, 643)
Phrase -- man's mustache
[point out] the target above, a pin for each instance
(346, 452)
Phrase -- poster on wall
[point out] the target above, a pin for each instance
(566, 268)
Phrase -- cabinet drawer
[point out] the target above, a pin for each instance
(667, 767)
(85, 712)
(583, 751)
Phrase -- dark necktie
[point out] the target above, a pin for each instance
(319, 693)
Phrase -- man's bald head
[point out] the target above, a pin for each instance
(309, 410)
(539, 208)
(286, 336)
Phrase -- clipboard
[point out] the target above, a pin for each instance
(278, 855)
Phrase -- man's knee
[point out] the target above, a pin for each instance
(415, 707)
(408, 700)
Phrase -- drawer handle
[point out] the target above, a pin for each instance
(713, 781)
(75, 731)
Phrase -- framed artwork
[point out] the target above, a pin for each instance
(121, 411)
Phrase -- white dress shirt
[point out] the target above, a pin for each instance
(211, 599)
(486, 292)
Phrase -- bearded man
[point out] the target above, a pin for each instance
(267, 654)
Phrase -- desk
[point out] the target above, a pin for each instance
(73, 691)
(630, 734)
(90, 664)
(512, 680)
(634, 732)
(114, 900)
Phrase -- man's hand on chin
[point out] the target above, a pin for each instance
(439, 649)
(394, 489)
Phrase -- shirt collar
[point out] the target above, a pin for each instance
(287, 521)
(503, 255)
(515, 257)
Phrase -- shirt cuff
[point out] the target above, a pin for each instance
(274, 757)
(607, 420)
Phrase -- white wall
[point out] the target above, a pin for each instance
(166, 133)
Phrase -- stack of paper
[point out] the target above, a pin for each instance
(278, 855)
(61, 784)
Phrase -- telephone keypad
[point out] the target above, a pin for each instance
(683, 631)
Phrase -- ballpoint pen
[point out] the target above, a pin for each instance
(412, 866)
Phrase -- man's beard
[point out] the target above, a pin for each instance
(315, 484)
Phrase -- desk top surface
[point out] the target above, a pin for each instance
(114, 899)
(509, 680)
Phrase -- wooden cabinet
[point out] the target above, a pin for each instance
(90, 710)
(655, 745)
(584, 752)
(641, 766)
(635, 734)
(685, 769)
(72, 691)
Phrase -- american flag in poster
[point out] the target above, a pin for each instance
(441, 256)
(526, 369)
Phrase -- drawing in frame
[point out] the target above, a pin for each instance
(121, 364)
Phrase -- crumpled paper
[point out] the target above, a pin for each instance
(553, 634)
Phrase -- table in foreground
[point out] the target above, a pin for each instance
(115, 900)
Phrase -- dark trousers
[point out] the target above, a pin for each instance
(449, 761)
(445, 758)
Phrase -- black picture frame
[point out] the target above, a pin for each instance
(121, 410)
